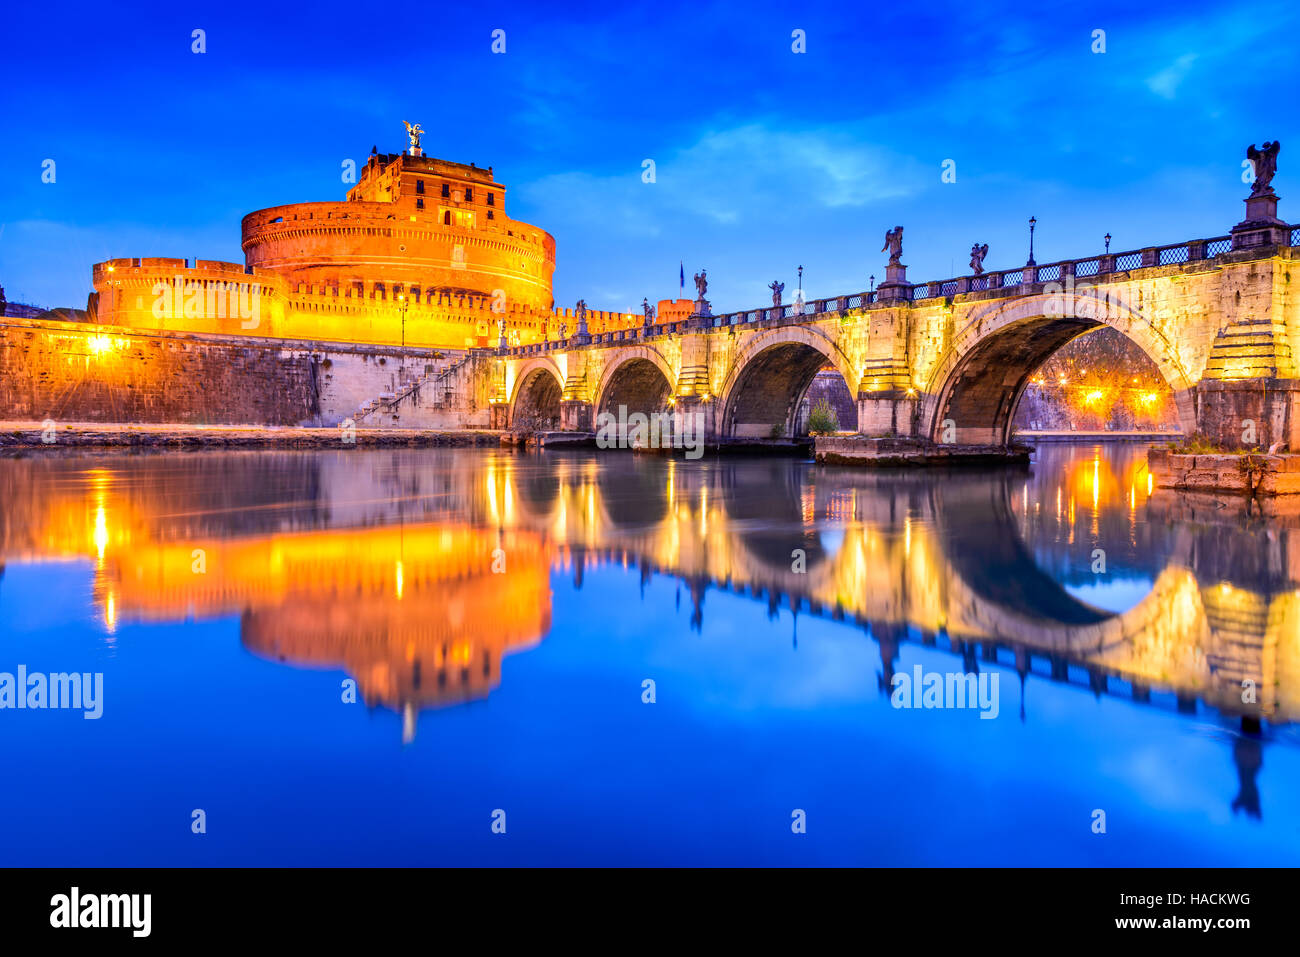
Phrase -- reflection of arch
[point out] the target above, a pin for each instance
(979, 380)
(629, 377)
(984, 546)
(770, 375)
(632, 493)
(536, 400)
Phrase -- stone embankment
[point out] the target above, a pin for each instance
(1255, 474)
(888, 452)
(33, 436)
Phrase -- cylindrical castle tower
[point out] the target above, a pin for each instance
(411, 221)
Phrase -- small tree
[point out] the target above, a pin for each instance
(823, 420)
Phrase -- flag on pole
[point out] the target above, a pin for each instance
(682, 266)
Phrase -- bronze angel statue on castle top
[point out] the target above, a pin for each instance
(413, 133)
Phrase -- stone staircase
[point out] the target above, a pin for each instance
(434, 386)
(1251, 349)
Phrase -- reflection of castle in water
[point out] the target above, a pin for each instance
(382, 564)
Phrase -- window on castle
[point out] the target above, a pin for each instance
(458, 217)
(419, 186)
(419, 202)
(490, 216)
(469, 195)
(492, 199)
(446, 190)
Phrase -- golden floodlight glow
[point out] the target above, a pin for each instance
(99, 344)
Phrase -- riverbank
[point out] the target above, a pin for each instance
(1094, 435)
(35, 436)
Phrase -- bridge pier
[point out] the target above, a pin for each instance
(887, 413)
(1249, 413)
(576, 416)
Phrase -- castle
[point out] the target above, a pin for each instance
(420, 254)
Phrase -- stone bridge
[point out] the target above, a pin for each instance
(948, 360)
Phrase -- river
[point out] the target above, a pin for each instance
(481, 657)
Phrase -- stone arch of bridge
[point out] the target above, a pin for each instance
(770, 376)
(536, 400)
(978, 382)
(639, 378)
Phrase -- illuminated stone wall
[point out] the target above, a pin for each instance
(71, 372)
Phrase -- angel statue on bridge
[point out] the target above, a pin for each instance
(1265, 163)
(648, 311)
(413, 133)
(894, 243)
(701, 283)
(977, 254)
(777, 288)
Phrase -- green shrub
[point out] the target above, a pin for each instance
(823, 420)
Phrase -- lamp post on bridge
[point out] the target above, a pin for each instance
(1108, 244)
(1033, 221)
(401, 308)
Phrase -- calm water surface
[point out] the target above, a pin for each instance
(500, 614)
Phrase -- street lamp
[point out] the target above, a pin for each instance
(402, 306)
(1108, 244)
(873, 283)
(1032, 223)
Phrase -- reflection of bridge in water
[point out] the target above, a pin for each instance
(383, 564)
(942, 561)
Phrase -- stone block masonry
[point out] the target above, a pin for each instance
(73, 372)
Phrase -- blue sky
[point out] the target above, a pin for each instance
(765, 159)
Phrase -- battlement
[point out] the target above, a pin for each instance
(153, 268)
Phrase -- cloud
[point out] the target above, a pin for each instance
(1165, 83)
(748, 173)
